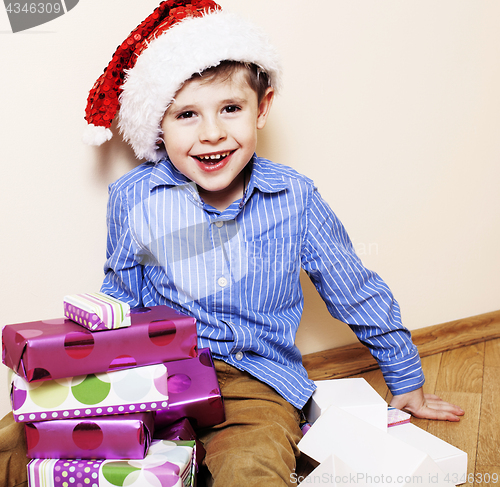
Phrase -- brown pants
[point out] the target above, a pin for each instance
(257, 444)
(13, 458)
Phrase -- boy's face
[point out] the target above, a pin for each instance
(210, 134)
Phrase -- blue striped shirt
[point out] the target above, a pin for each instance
(237, 271)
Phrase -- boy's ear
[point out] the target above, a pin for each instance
(265, 108)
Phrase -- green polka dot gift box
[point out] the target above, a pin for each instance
(118, 392)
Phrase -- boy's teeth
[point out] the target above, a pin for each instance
(214, 157)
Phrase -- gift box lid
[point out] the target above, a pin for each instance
(353, 395)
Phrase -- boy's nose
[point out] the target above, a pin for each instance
(212, 131)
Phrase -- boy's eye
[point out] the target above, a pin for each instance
(188, 114)
(232, 108)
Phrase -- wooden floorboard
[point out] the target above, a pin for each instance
(461, 370)
(463, 435)
(492, 354)
(488, 456)
(489, 432)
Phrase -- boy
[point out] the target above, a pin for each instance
(209, 228)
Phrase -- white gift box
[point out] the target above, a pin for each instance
(451, 460)
(355, 396)
(376, 457)
(333, 471)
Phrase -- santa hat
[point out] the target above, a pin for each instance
(180, 38)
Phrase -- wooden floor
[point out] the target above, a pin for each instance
(468, 376)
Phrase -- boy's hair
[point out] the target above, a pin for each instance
(257, 79)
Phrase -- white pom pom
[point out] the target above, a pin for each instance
(96, 135)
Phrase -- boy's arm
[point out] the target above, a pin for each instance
(123, 274)
(359, 297)
(427, 406)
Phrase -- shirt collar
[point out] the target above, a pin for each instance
(265, 177)
(164, 173)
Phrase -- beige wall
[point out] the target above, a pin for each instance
(392, 107)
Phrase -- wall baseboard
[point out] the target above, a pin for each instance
(355, 359)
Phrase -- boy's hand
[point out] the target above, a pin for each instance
(427, 406)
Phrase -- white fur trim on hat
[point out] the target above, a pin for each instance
(96, 135)
(189, 47)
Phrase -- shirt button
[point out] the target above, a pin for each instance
(219, 224)
(239, 356)
(222, 281)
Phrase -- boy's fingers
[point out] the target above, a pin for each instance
(435, 408)
(427, 406)
(435, 402)
(428, 412)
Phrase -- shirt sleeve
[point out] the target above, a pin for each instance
(358, 297)
(123, 274)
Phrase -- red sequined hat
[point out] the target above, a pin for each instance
(180, 38)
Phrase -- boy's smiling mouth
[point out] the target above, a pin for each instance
(213, 158)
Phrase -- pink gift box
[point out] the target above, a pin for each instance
(193, 393)
(54, 349)
(112, 437)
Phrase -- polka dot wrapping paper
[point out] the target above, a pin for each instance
(119, 392)
(123, 436)
(97, 311)
(55, 349)
(194, 393)
(167, 464)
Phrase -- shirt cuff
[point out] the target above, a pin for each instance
(403, 375)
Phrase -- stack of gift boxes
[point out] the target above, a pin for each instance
(111, 396)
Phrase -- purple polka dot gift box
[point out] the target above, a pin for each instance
(118, 392)
(167, 464)
(55, 349)
(122, 436)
